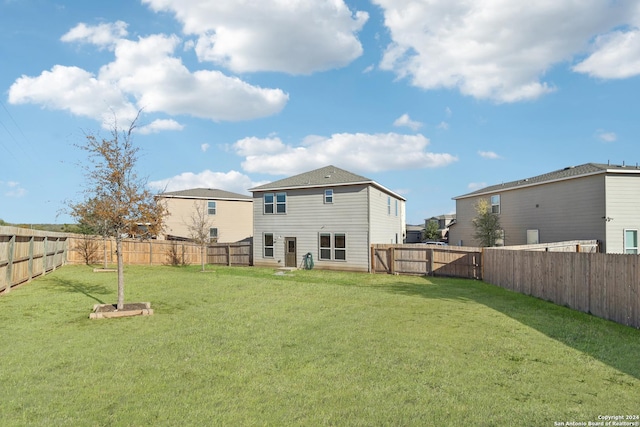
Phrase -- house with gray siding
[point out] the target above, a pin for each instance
(333, 214)
(590, 201)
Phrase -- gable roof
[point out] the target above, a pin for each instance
(205, 193)
(328, 176)
(558, 175)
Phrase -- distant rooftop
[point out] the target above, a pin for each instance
(205, 193)
(558, 175)
(324, 177)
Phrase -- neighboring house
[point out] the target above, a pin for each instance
(414, 234)
(229, 215)
(444, 222)
(331, 213)
(590, 201)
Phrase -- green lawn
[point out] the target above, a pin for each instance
(242, 346)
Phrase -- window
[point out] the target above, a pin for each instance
(340, 245)
(388, 205)
(396, 208)
(268, 203)
(213, 234)
(630, 241)
(325, 246)
(337, 251)
(495, 204)
(328, 196)
(275, 203)
(533, 237)
(211, 208)
(281, 203)
(268, 245)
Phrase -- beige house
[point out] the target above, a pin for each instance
(229, 216)
(330, 213)
(587, 202)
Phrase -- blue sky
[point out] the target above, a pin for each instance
(431, 99)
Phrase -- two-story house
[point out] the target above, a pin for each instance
(229, 216)
(588, 202)
(331, 213)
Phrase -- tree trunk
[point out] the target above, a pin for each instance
(120, 273)
(203, 255)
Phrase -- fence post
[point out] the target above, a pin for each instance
(30, 263)
(229, 255)
(10, 265)
(44, 256)
(392, 260)
(150, 253)
(431, 262)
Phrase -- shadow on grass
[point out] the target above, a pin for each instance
(611, 343)
(74, 286)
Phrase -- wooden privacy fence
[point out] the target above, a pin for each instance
(155, 252)
(431, 260)
(605, 285)
(25, 254)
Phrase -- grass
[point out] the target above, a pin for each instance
(242, 346)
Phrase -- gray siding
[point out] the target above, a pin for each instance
(564, 210)
(307, 216)
(385, 227)
(623, 193)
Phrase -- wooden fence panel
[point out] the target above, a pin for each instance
(25, 254)
(419, 259)
(605, 285)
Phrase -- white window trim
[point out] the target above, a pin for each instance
(215, 207)
(264, 245)
(495, 204)
(332, 247)
(633, 248)
(265, 204)
(328, 194)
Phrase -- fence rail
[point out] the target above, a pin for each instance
(26, 254)
(419, 259)
(98, 250)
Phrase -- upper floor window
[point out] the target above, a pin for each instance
(328, 196)
(388, 205)
(495, 204)
(213, 234)
(275, 203)
(211, 208)
(630, 241)
(396, 208)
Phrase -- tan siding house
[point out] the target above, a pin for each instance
(330, 213)
(230, 215)
(591, 201)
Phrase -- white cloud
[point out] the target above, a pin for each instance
(405, 120)
(607, 136)
(443, 125)
(448, 112)
(361, 152)
(233, 181)
(616, 56)
(497, 49)
(160, 125)
(488, 155)
(106, 34)
(473, 186)
(13, 189)
(369, 69)
(145, 74)
(297, 37)
(205, 147)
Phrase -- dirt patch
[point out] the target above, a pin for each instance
(101, 311)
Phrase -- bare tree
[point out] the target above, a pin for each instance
(200, 228)
(116, 200)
